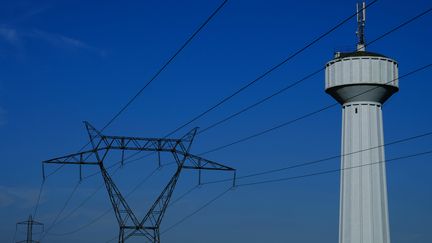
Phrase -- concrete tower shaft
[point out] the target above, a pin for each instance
(361, 82)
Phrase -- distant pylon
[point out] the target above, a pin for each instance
(29, 225)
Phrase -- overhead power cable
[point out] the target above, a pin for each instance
(312, 74)
(183, 195)
(106, 211)
(87, 199)
(404, 24)
(196, 211)
(404, 157)
(273, 68)
(38, 199)
(158, 72)
(428, 152)
(309, 76)
(295, 83)
(326, 107)
(316, 173)
(182, 47)
(169, 61)
(93, 221)
(315, 112)
(415, 137)
(308, 114)
(60, 212)
(320, 160)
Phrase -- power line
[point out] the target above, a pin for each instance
(275, 67)
(183, 46)
(260, 173)
(262, 100)
(61, 211)
(402, 25)
(310, 75)
(160, 70)
(306, 115)
(38, 199)
(85, 225)
(318, 111)
(197, 211)
(294, 84)
(262, 76)
(105, 212)
(85, 200)
(337, 170)
(183, 195)
(319, 172)
(308, 175)
(292, 178)
(301, 80)
(424, 13)
(322, 172)
(327, 107)
(72, 212)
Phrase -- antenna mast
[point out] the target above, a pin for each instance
(361, 20)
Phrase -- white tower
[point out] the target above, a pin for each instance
(361, 82)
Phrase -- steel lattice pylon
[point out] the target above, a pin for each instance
(129, 224)
(30, 224)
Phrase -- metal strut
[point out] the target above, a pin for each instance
(129, 224)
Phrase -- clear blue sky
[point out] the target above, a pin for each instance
(62, 62)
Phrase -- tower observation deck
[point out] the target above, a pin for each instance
(361, 82)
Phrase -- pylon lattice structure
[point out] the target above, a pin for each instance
(129, 223)
(29, 224)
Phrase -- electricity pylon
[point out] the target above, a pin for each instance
(30, 223)
(129, 224)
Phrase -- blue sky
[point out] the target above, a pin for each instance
(63, 62)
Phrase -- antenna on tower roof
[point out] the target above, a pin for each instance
(361, 20)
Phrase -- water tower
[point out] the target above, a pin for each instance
(361, 82)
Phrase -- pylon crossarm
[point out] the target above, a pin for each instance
(86, 157)
(101, 141)
(32, 222)
(141, 144)
(199, 163)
